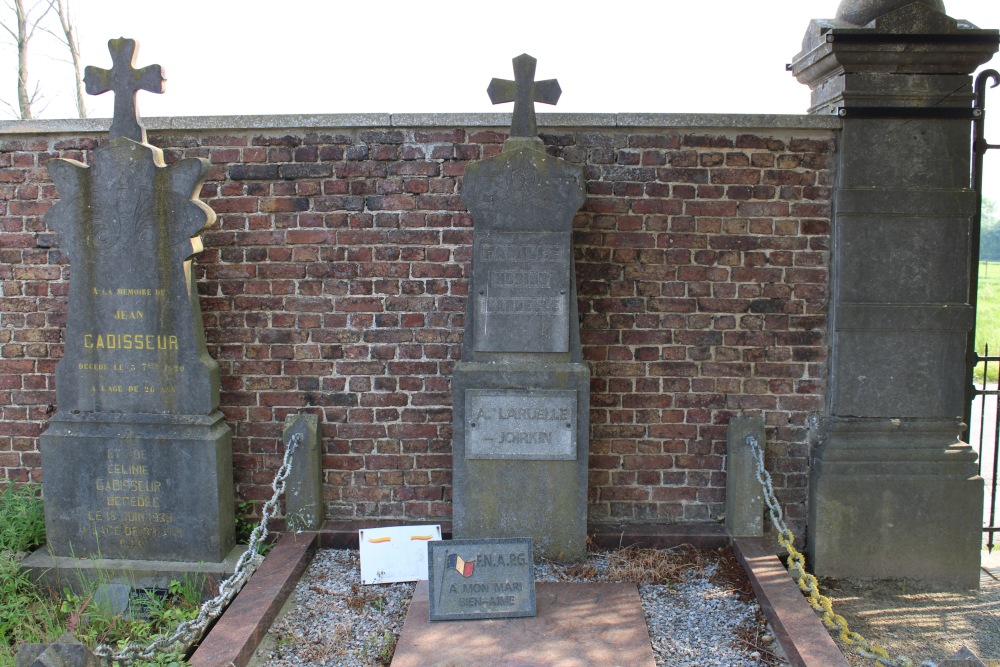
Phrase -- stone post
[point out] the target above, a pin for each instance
(744, 496)
(304, 506)
(893, 492)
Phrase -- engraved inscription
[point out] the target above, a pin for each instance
(481, 579)
(129, 510)
(522, 292)
(133, 353)
(520, 425)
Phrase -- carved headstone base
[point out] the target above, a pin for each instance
(896, 499)
(139, 487)
(521, 453)
(82, 574)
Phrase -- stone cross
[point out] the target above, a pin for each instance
(524, 91)
(125, 81)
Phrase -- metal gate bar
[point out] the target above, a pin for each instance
(990, 527)
(979, 148)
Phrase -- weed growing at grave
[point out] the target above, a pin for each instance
(22, 518)
(26, 614)
(380, 648)
(244, 525)
(151, 613)
(29, 614)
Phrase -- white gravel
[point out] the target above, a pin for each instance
(332, 620)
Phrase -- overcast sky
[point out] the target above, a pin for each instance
(333, 56)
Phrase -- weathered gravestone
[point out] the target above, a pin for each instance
(137, 462)
(521, 392)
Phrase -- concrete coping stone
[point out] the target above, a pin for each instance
(420, 120)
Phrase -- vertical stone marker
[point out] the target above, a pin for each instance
(137, 462)
(521, 392)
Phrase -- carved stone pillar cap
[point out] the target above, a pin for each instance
(862, 12)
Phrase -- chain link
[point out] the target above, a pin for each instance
(188, 632)
(807, 582)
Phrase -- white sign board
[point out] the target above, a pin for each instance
(397, 553)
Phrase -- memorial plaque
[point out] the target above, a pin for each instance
(527, 425)
(491, 578)
(523, 303)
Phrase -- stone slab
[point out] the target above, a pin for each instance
(477, 579)
(61, 572)
(799, 630)
(156, 487)
(233, 639)
(577, 625)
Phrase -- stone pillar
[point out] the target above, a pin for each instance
(893, 492)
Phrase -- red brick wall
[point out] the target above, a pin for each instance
(334, 281)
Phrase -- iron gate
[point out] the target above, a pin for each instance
(988, 443)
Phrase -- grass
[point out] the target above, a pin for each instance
(988, 317)
(29, 614)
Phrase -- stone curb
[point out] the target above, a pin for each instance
(799, 630)
(235, 637)
(240, 629)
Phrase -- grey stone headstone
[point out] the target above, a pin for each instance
(489, 578)
(304, 506)
(66, 651)
(521, 392)
(137, 462)
(134, 336)
(744, 497)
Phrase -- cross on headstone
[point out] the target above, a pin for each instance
(125, 81)
(524, 91)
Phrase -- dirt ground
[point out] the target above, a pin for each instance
(920, 624)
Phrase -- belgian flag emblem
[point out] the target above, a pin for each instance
(463, 567)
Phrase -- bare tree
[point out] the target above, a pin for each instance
(70, 40)
(27, 21)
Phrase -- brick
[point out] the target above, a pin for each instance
(337, 275)
(291, 171)
(253, 172)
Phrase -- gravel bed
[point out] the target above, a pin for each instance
(334, 621)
